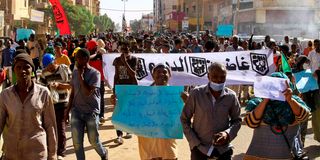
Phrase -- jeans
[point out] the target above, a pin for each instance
(78, 123)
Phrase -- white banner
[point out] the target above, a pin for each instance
(192, 68)
(36, 16)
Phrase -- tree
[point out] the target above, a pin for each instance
(103, 23)
(135, 25)
(80, 19)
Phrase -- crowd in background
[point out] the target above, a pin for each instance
(59, 56)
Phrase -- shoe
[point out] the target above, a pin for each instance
(128, 136)
(102, 120)
(60, 158)
(118, 140)
(105, 157)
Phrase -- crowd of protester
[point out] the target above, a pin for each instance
(59, 75)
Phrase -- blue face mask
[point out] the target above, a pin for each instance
(217, 86)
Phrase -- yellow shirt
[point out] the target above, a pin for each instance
(63, 60)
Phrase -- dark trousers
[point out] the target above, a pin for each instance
(61, 127)
(196, 154)
(36, 63)
(102, 100)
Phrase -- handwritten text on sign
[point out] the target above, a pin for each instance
(149, 111)
(242, 66)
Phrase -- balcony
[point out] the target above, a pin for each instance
(41, 5)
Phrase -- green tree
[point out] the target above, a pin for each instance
(135, 25)
(80, 19)
(103, 23)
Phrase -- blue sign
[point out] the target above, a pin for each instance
(305, 81)
(225, 30)
(149, 111)
(23, 33)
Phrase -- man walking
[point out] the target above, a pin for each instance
(85, 104)
(215, 111)
(57, 78)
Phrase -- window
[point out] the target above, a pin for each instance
(210, 7)
(187, 10)
(194, 8)
(25, 3)
(174, 7)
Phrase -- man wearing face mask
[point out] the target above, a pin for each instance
(215, 111)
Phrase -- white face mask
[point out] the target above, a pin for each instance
(306, 66)
(217, 86)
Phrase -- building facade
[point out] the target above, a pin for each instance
(147, 22)
(276, 17)
(167, 14)
(92, 5)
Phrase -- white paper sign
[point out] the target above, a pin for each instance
(192, 68)
(270, 87)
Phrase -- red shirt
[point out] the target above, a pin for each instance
(97, 64)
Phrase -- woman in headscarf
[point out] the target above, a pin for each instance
(27, 117)
(276, 125)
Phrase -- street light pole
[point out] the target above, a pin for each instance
(124, 6)
(124, 15)
(198, 20)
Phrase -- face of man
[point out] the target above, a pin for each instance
(125, 49)
(165, 49)
(286, 39)
(245, 45)
(82, 61)
(57, 50)
(235, 41)
(23, 71)
(194, 41)
(316, 44)
(161, 76)
(217, 75)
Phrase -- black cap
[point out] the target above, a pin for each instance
(23, 57)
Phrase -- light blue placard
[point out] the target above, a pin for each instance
(225, 30)
(305, 81)
(23, 33)
(149, 111)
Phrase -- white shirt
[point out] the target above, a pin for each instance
(315, 60)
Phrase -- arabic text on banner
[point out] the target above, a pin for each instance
(61, 18)
(149, 111)
(192, 68)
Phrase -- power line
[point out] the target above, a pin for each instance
(121, 10)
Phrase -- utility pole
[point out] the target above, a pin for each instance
(124, 6)
(236, 18)
(198, 20)
(124, 15)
